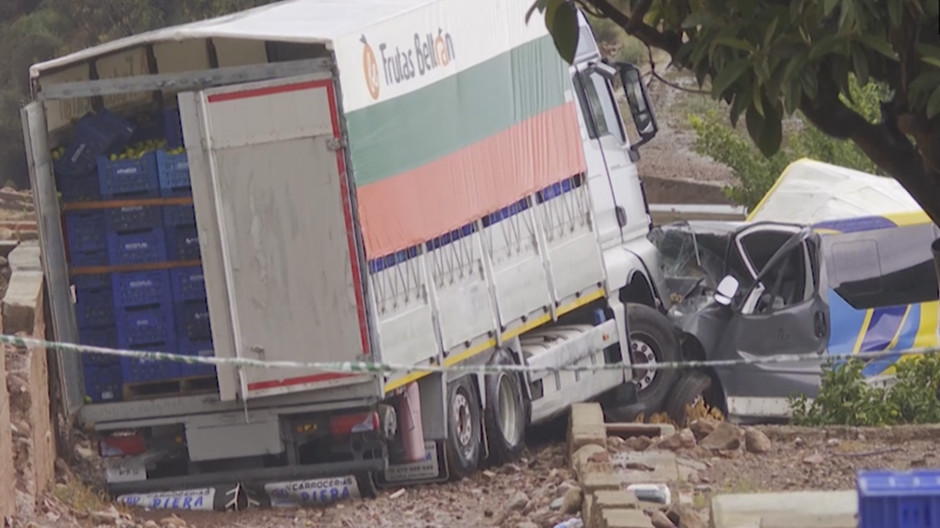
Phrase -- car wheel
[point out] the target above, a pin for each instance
(463, 429)
(691, 388)
(652, 341)
(505, 413)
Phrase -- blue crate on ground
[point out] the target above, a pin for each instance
(201, 349)
(172, 128)
(179, 215)
(150, 326)
(99, 336)
(182, 243)
(173, 173)
(137, 247)
(129, 177)
(94, 305)
(103, 383)
(85, 230)
(899, 499)
(142, 370)
(133, 218)
(189, 284)
(141, 288)
(192, 321)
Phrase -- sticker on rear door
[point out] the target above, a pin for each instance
(194, 499)
(313, 491)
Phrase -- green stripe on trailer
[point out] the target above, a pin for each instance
(414, 129)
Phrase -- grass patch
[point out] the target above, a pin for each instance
(80, 497)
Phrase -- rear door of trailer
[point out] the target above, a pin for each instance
(278, 232)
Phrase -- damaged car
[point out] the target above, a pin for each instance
(749, 290)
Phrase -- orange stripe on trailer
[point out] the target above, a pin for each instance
(458, 188)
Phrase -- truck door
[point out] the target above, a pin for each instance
(781, 312)
(277, 231)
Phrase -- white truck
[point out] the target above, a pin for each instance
(418, 182)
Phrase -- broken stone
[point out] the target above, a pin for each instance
(724, 437)
(638, 443)
(687, 438)
(755, 441)
(660, 520)
(588, 456)
(527, 524)
(689, 518)
(799, 442)
(106, 516)
(571, 502)
(702, 428)
(518, 501)
(670, 443)
(84, 453)
(815, 459)
(693, 464)
(832, 442)
(557, 503)
(489, 474)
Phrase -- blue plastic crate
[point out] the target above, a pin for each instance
(103, 383)
(182, 243)
(85, 230)
(189, 284)
(76, 185)
(192, 321)
(93, 258)
(173, 128)
(129, 177)
(899, 499)
(201, 349)
(121, 129)
(101, 336)
(173, 171)
(137, 247)
(150, 326)
(141, 288)
(142, 370)
(133, 218)
(94, 305)
(179, 215)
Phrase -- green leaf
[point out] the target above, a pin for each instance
(757, 101)
(932, 61)
(895, 12)
(698, 18)
(810, 84)
(860, 65)
(728, 75)
(564, 30)
(933, 104)
(755, 124)
(537, 5)
(878, 44)
(741, 99)
(825, 45)
(929, 50)
(735, 43)
(796, 64)
(829, 5)
(769, 36)
(794, 94)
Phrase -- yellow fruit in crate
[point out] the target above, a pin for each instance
(114, 157)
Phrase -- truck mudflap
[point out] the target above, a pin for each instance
(430, 470)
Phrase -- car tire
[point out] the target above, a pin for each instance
(463, 446)
(652, 340)
(505, 415)
(692, 386)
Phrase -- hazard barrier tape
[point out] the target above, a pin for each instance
(368, 367)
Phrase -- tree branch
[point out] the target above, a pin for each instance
(666, 41)
(636, 17)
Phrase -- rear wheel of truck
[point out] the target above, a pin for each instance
(689, 391)
(505, 415)
(463, 428)
(652, 341)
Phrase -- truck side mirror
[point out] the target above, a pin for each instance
(726, 290)
(639, 101)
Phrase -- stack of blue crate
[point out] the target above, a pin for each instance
(94, 312)
(192, 318)
(143, 306)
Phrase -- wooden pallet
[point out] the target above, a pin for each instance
(146, 390)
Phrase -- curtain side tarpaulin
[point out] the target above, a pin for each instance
(467, 143)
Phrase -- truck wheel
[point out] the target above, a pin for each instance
(505, 413)
(652, 340)
(463, 429)
(688, 391)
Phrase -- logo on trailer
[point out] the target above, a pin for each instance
(370, 68)
(424, 54)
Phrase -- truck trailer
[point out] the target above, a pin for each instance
(413, 182)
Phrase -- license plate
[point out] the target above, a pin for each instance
(425, 469)
(125, 469)
(195, 499)
(313, 491)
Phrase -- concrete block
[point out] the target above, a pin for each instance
(646, 467)
(43, 450)
(789, 520)
(20, 304)
(25, 257)
(617, 518)
(591, 457)
(747, 509)
(593, 481)
(7, 465)
(586, 506)
(613, 500)
(586, 426)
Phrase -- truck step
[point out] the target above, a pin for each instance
(171, 387)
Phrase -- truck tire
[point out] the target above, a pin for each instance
(505, 414)
(652, 340)
(691, 387)
(462, 447)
